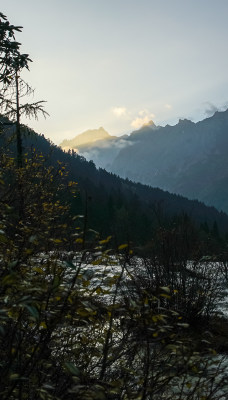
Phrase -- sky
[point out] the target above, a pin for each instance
(119, 64)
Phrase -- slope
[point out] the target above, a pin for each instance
(128, 211)
(188, 158)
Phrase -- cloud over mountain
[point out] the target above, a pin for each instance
(144, 117)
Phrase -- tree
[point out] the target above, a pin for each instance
(13, 87)
(9, 48)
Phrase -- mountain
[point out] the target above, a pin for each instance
(86, 138)
(96, 145)
(114, 206)
(188, 158)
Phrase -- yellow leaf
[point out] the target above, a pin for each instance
(97, 262)
(28, 251)
(14, 376)
(38, 269)
(105, 240)
(43, 325)
(195, 369)
(79, 240)
(165, 295)
(98, 290)
(122, 246)
(57, 241)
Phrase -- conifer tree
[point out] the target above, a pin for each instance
(13, 88)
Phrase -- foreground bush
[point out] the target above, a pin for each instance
(70, 330)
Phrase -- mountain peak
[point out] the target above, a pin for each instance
(149, 124)
(85, 138)
(185, 121)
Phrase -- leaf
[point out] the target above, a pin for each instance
(72, 368)
(165, 289)
(98, 290)
(56, 282)
(57, 241)
(9, 279)
(183, 325)
(32, 238)
(105, 240)
(69, 264)
(14, 376)
(195, 369)
(33, 311)
(97, 262)
(165, 295)
(13, 264)
(79, 240)
(39, 270)
(3, 238)
(122, 246)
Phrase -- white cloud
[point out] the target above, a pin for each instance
(143, 112)
(144, 118)
(119, 111)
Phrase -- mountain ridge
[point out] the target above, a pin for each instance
(188, 158)
(85, 138)
(115, 204)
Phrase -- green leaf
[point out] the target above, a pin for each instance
(56, 282)
(72, 368)
(3, 238)
(69, 264)
(33, 311)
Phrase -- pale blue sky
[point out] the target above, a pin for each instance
(120, 63)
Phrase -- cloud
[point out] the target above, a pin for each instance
(143, 113)
(210, 109)
(144, 118)
(119, 111)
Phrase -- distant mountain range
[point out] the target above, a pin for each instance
(189, 158)
(128, 211)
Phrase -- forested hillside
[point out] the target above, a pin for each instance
(128, 211)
